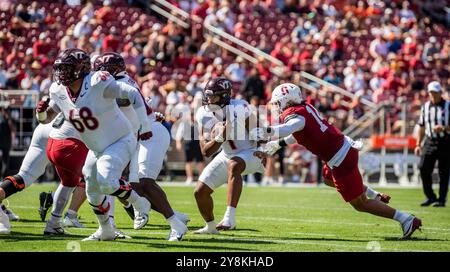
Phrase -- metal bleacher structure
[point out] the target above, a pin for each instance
(392, 168)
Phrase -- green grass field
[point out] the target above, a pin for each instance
(268, 219)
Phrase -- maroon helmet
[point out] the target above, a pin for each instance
(70, 65)
(219, 86)
(111, 62)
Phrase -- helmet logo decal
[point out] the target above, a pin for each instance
(78, 55)
(284, 90)
(224, 84)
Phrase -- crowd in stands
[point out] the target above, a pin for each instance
(378, 50)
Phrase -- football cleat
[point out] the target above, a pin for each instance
(206, 230)
(412, 224)
(140, 220)
(5, 226)
(69, 222)
(383, 198)
(130, 211)
(10, 214)
(177, 235)
(121, 235)
(103, 234)
(46, 201)
(182, 217)
(53, 230)
(226, 224)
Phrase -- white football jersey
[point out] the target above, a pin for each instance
(239, 112)
(65, 131)
(98, 120)
(129, 111)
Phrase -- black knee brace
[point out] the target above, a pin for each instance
(99, 209)
(12, 185)
(124, 190)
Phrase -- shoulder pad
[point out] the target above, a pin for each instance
(100, 77)
(54, 88)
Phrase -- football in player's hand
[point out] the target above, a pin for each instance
(218, 129)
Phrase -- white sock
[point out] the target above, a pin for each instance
(71, 213)
(174, 222)
(61, 198)
(371, 193)
(211, 224)
(112, 203)
(230, 212)
(401, 216)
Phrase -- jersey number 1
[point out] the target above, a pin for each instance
(87, 120)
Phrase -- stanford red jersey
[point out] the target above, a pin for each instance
(318, 136)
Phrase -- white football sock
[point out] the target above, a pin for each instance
(62, 196)
(71, 213)
(230, 213)
(211, 224)
(174, 222)
(371, 193)
(401, 216)
(112, 203)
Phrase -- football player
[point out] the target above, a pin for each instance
(150, 154)
(218, 120)
(67, 153)
(87, 100)
(33, 166)
(302, 124)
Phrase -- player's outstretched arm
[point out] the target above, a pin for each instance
(293, 125)
(46, 110)
(121, 90)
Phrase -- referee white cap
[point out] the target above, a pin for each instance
(434, 86)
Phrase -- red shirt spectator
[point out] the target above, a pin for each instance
(41, 47)
(111, 42)
(200, 10)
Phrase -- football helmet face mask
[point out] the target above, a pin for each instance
(71, 65)
(217, 92)
(285, 95)
(111, 62)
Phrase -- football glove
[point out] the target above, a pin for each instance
(272, 147)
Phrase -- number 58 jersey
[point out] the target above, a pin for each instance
(98, 120)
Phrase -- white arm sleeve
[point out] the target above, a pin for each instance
(122, 90)
(290, 139)
(292, 125)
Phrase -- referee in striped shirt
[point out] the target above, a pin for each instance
(434, 125)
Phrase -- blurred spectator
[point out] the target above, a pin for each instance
(3, 75)
(68, 41)
(105, 13)
(37, 15)
(253, 85)
(236, 71)
(111, 42)
(430, 49)
(82, 28)
(42, 46)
